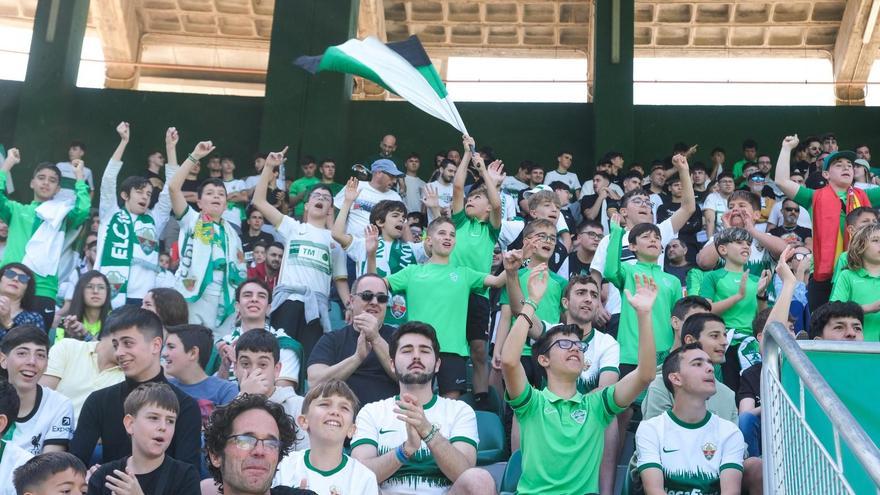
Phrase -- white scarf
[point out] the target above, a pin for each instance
(44, 249)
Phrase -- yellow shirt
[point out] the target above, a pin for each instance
(76, 363)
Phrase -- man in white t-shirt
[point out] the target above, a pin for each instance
(688, 449)
(511, 186)
(443, 187)
(44, 420)
(415, 186)
(715, 205)
(384, 175)
(564, 160)
(418, 442)
(312, 261)
(76, 151)
(236, 193)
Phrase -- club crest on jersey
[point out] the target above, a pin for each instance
(453, 276)
(587, 364)
(709, 450)
(398, 306)
(579, 416)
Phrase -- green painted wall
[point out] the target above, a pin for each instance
(517, 131)
(658, 127)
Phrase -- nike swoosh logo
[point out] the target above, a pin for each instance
(382, 432)
(669, 451)
(460, 380)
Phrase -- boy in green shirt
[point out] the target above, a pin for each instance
(539, 239)
(24, 226)
(645, 244)
(860, 282)
(477, 219)
(437, 293)
(301, 186)
(563, 430)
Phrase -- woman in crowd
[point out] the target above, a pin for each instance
(168, 304)
(89, 306)
(17, 288)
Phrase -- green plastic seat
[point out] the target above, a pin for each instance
(512, 473)
(491, 431)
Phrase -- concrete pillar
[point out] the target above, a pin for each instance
(613, 78)
(45, 116)
(307, 112)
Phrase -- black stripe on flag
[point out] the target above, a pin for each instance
(309, 63)
(412, 50)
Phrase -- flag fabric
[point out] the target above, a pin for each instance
(402, 67)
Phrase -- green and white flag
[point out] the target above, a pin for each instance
(402, 67)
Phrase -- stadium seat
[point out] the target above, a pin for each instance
(512, 474)
(495, 404)
(491, 431)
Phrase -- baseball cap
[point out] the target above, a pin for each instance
(536, 189)
(387, 166)
(837, 155)
(862, 163)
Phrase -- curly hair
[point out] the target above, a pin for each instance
(219, 428)
(859, 244)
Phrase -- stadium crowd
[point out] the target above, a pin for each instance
(204, 332)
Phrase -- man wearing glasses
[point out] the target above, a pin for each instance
(358, 353)
(245, 441)
(790, 231)
(312, 260)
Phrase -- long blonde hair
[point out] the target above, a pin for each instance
(859, 244)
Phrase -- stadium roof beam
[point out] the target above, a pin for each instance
(855, 50)
(120, 39)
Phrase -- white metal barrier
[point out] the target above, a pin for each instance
(795, 461)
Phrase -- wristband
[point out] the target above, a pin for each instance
(191, 158)
(761, 298)
(531, 303)
(431, 434)
(529, 320)
(401, 454)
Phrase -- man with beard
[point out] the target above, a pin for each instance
(429, 442)
(268, 270)
(358, 352)
(245, 440)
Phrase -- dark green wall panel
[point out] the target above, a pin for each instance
(517, 131)
(10, 92)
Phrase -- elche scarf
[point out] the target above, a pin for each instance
(117, 253)
(197, 262)
(828, 240)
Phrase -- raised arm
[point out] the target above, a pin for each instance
(270, 213)
(515, 380)
(493, 176)
(461, 177)
(780, 310)
(431, 201)
(613, 268)
(175, 185)
(107, 197)
(338, 232)
(7, 205)
(783, 167)
(688, 198)
(633, 384)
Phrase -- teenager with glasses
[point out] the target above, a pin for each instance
(312, 261)
(88, 308)
(17, 298)
(358, 352)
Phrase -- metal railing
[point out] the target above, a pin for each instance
(796, 462)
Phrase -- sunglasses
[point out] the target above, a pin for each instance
(792, 210)
(14, 275)
(566, 344)
(757, 179)
(367, 296)
(799, 256)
